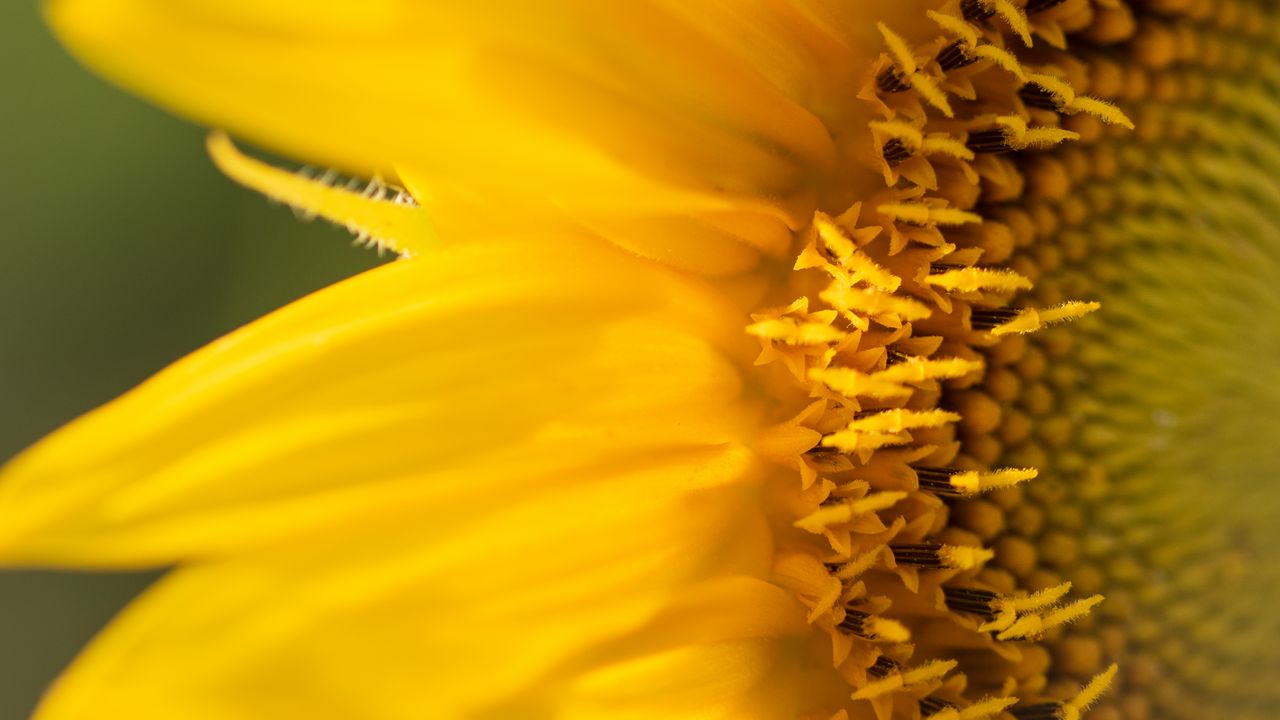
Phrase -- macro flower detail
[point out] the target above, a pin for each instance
(746, 360)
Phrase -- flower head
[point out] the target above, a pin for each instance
(838, 360)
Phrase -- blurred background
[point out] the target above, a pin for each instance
(121, 249)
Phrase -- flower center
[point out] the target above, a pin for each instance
(999, 512)
(974, 477)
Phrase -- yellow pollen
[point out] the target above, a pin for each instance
(1034, 625)
(859, 565)
(905, 61)
(1069, 103)
(974, 482)
(945, 146)
(1013, 15)
(847, 256)
(1031, 320)
(895, 380)
(793, 332)
(890, 631)
(964, 558)
(1021, 136)
(899, 419)
(971, 279)
(985, 708)
(898, 49)
(857, 302)
(1037, 600)
(922, 214)
(904, 679)
(916, 369)
(1074, 709)
(829, 515)
(956, 26)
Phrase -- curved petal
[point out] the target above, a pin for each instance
(714, 653)
(638, 106)
(457, 380)
(506, 614)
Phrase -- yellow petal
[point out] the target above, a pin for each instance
(551, 99)
(495, 362)
(696, 133)
(690, 682)
(395, 223)
(506, 606)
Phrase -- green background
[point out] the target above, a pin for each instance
(121, 249)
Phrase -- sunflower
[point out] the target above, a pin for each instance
(742, 360)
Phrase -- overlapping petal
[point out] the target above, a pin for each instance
(513, 606)
(506, 480)
(565, 102)
(702, 154)
(446, 388)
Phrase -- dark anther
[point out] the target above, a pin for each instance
(955, 56)
(987, 319)
(883, 667)
(939, 268)
(893, 357)
(828, 253)
(822, 450)
(1035, 6)
(895, 151)
(855, 623)
(834, 500)
(1038, 96)
(970, 600)
(975, 10)
(922, 555)
(1039, 711)
(891, 80)
(989, 141)
(936, 480)
(930, 705)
